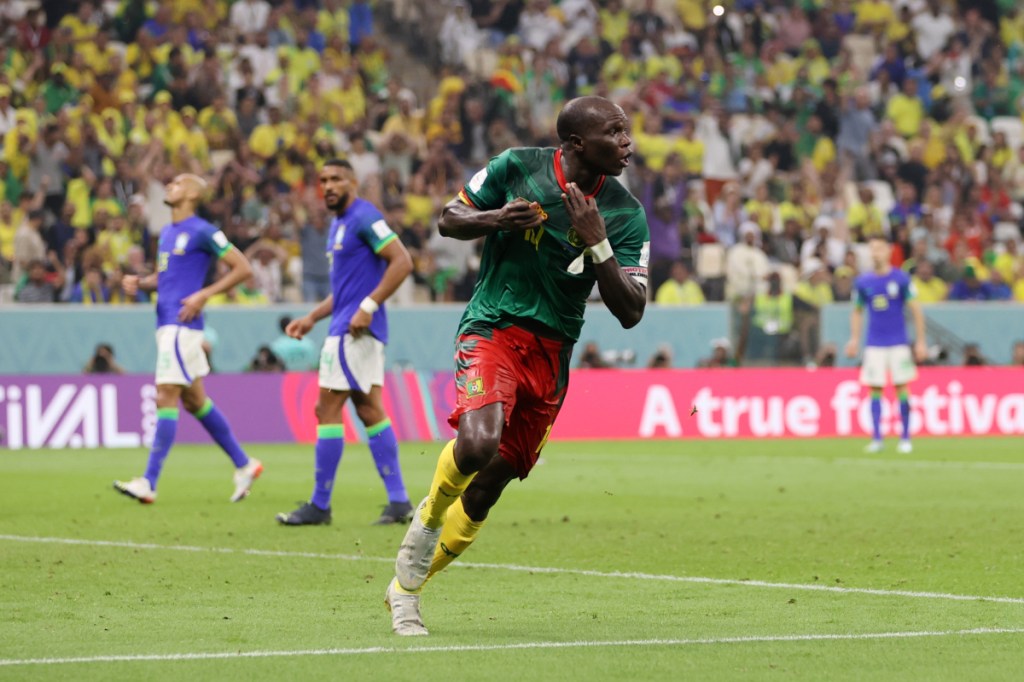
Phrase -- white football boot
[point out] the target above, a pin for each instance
(138, 488)
(416, 552)
(244, 478)
(405, 611)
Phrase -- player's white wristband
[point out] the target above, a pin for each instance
(601, 251)
(369, 306)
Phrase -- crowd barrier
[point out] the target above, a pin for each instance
(120, 411)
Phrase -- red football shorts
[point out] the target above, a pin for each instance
(525, 372)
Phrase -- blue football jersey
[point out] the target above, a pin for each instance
(185, 252)
(885, 298)
(354, 243)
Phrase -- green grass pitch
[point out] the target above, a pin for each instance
(742, 560)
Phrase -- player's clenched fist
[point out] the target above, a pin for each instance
(584, 215)
(130, 284)
(299, 328)
(521, 214)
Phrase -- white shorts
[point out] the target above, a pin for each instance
(180, 359)
(359, 366)
(881, 362)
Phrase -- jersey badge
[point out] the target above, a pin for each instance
(180, 243)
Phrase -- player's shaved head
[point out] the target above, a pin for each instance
(186, 189)
(195, 185)
(580, 115)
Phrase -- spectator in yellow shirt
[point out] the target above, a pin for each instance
(7, 229)
(219, 123)
(614, 22)
(651, 144)
(798, 208)
(276, 134)
(930, 289)
(761, 209)
(333, 19)
(906, 110)
(874, 16)
(679, 289)
(81, 23)
(864, 219)
(190, 139)
(690, 149)
(1010, 263)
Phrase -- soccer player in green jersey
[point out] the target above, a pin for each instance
(554, 223)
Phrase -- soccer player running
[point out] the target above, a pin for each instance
(553, 223)
(187, 247)
(885, 292)
(367, 264)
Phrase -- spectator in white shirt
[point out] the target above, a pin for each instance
(932, 29)
(537, 27)
(746, 264)
(250, 16)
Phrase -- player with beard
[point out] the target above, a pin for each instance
(554, 224)
(187, 247)
(367, 265)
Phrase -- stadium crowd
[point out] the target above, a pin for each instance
(772, 138)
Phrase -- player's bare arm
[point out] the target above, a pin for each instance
(239, 271)
(301, 326)
(461, 221)
(399, 265)
(132, 283)
(856, 326)
(920, 333)
(624, 296)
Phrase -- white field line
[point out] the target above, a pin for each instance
(931, 464)
(625, 575)
(754, 639)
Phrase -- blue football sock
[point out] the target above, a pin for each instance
(163, 439)
(217, 426)
(384, 448)
(330, 443)
(876, 414)
(905, 413)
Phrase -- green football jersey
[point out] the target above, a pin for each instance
(543, 275)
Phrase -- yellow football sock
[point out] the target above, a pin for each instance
(457, 535)
(446, 487)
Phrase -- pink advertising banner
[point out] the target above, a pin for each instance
(98, 411)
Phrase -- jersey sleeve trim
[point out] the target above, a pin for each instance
(384, 242)
(463, 196)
